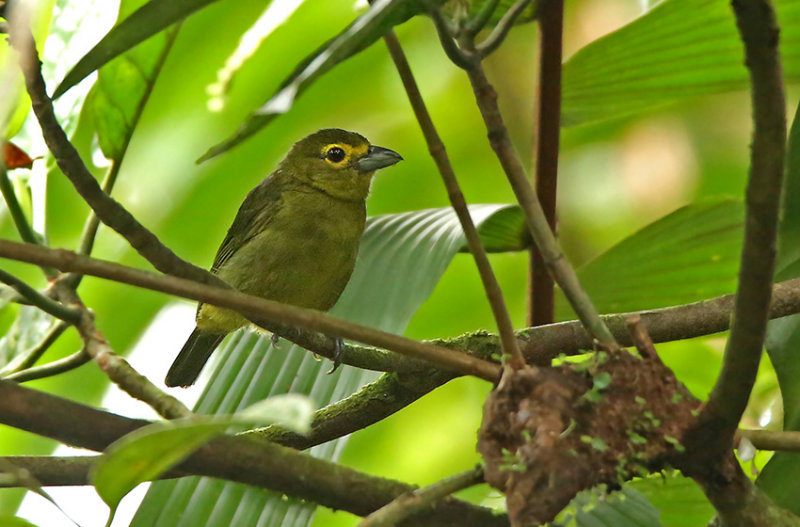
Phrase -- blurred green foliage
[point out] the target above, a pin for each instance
(617, 176)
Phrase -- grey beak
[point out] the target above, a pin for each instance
(378, 157)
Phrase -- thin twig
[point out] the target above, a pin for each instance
(48, 305)
(778, 440)
(437, 150)
(28, 359)
(265, 313)
(500, 31)
(535, 219)
(548, 130)
(24, 228)
(472, 27)
(418, 500)
(727, 401)
(70, 362)
(69, 161)
(459, 57)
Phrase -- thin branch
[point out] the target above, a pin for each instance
(69, 161)
(28, 359)
(459, 57)
(535, 219)
(472, 27)
(784, 441)
(727, 401)
(500, 31)
(437, 150)
(265, 313)
(14, 208)
(548, 130)
(241, 459)
(414, 502)
(17, 215)
(48, 305)
(70, 362)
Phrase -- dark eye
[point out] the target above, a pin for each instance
(335, 154)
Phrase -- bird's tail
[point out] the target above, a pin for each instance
(193, 356)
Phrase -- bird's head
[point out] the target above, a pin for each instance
(337, 162)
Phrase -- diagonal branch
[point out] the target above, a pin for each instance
(274, 316)
(69, 161)
(759, 31)
(437, 150)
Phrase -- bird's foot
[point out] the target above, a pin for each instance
(275, 338)
(338, 351)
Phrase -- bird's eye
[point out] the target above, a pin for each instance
(335, 154)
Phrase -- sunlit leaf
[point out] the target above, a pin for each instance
(148, 452)
(29, 328)
(684, 257)
(678, 49)
(123, 86)
(414, 249)
(623, 508)
(142, 24)
(366, 29)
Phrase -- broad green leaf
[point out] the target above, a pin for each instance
(678, 49)
(623, 508)
(142, 24)
(123, 86)
(684, 257)
(366, 29)
(414, 249)
(148, 452)
(783, 336)
(679, 500)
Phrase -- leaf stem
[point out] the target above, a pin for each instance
(48, 305)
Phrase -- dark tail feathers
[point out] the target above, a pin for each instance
(193, 356)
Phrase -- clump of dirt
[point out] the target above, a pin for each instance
(548, 433)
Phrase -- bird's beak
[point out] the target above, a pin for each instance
(378, 157)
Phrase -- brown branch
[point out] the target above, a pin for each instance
(785, 441)
(727, 401)
(535, 219)
(437, 150)
(69, 161)
(548, 123)
(265, 313)
(241, 459)
(417, 501)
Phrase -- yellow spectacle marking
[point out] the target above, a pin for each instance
(349, 151)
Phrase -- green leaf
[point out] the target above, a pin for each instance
(148, 452)
(678, 49)
(366, 29)
(679, 500)
(686, 256)
(414, 248)
(142, 24)
(124, 85)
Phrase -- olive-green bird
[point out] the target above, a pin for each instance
(294, 239)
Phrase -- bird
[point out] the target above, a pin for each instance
(294, 239)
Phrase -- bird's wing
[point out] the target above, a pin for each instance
(259, 208)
